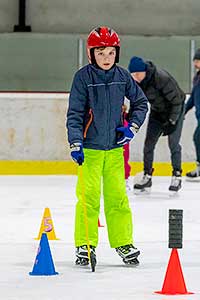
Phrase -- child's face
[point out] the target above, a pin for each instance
(105, 57)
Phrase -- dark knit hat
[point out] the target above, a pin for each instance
(137, 64)
(197, 54)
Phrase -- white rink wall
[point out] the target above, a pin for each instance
(32, 127)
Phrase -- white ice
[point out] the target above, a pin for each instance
(23, 200)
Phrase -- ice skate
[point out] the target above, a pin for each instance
(144, 185)
(129, 254)
(176, 180)
(194, 175)
(82, 255)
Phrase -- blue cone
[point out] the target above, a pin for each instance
(43, 263)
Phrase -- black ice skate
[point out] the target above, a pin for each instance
(144, 185)
(194, 175)
(82, 255)
(129, 254)
(175, 185)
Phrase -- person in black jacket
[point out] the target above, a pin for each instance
(194, 101)
(166, 117)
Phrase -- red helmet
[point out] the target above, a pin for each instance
(103, 37)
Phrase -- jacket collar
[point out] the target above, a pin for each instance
(105, 76)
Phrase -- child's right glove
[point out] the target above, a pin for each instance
(77, 153)
(125, 134)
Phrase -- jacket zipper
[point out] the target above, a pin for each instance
(108, 118)
(88, 123)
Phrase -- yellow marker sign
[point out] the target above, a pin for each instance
(47, 226)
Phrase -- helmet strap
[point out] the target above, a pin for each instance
(93, 60)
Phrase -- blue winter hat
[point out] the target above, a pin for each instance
(197, 54)
(137, 64)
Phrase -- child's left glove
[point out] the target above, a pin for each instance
(125, 134)
(77, 153)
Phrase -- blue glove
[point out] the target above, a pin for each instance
(125, 134)
(77, 153)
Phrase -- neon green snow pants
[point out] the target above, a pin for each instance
(109, 166)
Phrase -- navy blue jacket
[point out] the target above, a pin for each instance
(95, 106)
(194, 99)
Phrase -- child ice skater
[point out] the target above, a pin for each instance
(96, 135)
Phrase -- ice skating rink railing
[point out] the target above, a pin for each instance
(33, 137)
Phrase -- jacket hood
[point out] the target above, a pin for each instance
(151, 70)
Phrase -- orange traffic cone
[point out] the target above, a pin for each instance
(47, 226)
(174, 283)
(99, 224)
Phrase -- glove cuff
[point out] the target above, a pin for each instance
(134, 128)
(75, 146)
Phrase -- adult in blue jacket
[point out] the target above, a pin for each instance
(96, 135)
(194, 101)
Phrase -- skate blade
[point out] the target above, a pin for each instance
(93, 262)
(145, 191)
(132, 263)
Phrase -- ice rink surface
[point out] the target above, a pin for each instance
(23, 200)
